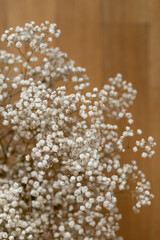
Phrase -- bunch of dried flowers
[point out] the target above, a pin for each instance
(61, 146)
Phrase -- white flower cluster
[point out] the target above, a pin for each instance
(56, 67)
(36, 36)
(61, 147)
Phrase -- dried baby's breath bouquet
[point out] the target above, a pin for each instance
(61, 145)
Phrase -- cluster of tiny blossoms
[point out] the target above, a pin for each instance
(61, 147)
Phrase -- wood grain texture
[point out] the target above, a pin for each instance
(106, 37)
(124, 11)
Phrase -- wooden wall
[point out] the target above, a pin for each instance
(106, 37)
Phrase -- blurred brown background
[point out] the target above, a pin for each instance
(107, 37)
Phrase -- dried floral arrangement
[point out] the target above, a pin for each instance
(61, 145)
